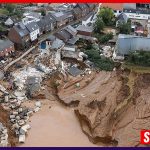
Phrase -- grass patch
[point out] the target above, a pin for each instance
(4, 11)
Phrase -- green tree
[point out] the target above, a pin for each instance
(43, 13)
(107, 15)
(10, 8)
(98, 25)
(125, 28)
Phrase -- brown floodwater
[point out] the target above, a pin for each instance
(55, 126)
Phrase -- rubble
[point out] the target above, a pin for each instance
(3, 136)
(38, 104)
(22, 138)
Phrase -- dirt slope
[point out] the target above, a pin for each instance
(113, 107)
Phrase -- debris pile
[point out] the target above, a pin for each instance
(3, 136)
(45, 63)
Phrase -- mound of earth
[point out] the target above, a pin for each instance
(112, 108)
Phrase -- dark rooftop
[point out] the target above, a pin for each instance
(21, 29)
(74, 71)
(32, 26)
(5, 44)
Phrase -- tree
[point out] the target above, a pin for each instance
(43, 12)
(98, 25)
(125, 28)
(107, 15)
(10, 8)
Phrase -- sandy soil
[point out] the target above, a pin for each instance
(55, 126)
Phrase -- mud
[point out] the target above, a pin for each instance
(112, 108)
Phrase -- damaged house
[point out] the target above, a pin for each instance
(33, 86)
(6, 47)
(62, 18)
(68, 35)
(19, 35)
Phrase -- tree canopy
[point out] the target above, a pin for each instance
(98, 25)
(107, 15)
(125, 28)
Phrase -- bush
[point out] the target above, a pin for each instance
(104, 38)
(107, 15)
(125, 28)
(98, 25)
(99, 62)
(141, 58)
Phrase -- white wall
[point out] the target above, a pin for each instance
(137, 16)
(34, 34)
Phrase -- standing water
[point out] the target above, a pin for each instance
(55, 126)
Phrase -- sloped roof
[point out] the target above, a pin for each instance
(59, 16)
(85, 28)
(57, 44)
(71, 30)
(82, 6)
(64, 34)
(5, 44)
(21, 29)
(32, 26)
(77, 10)
(49, 18)
(122, 17)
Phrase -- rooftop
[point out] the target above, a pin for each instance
(85, 28)
(21, 29)
(114, 6)
(5, 44)
(32, 26)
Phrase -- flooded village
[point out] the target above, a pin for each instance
(70, 75)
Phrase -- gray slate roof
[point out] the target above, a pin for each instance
(59, 16)
(32, 26)
(77, 10)
(122, 17)
(71, 30)
(21, 29)
(57, 44)
(49, 18)
(85, 28)
(74, 71)
(82, 6)
(5, 44)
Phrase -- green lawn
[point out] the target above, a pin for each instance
(3, 11)
(136, 68)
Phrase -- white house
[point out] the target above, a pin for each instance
(33, 30)
(13, 20)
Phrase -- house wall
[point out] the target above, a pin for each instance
(84, 33)
(61, 23)
(34, 35)
(137, 16)
(126, 45)
(14, 37)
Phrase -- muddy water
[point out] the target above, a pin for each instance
(56, 126)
